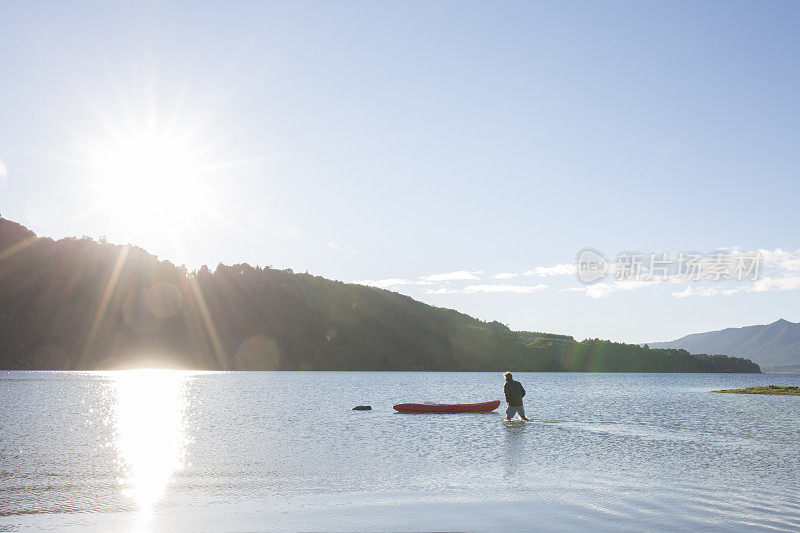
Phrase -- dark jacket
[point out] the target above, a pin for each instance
(514, 392)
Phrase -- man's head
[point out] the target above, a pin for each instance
(508, 376)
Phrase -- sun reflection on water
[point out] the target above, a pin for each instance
(150, 435)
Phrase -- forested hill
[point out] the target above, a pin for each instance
(775, 346)
(82, 304)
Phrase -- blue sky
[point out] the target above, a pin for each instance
(399, 141)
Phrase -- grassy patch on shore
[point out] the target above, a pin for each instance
(771, 389)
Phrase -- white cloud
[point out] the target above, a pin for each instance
(557, 270)
(504, 275)
(383, 283)
(775, 267)
(500, 288)
(706, 291)
(604, 290)
(688, 291)
(789, 261)
(522, 289)
(772, 261)
(766, 284)
(774, 256)
(334, 245)
(791, 265)
(788, 283)
(460, 275)
(442, 290)
(599, 290)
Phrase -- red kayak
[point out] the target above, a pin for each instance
(485, 407)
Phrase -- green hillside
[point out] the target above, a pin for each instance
(775, 346)
(82, 304)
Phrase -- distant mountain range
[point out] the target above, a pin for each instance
(773, 346)
(78, 304)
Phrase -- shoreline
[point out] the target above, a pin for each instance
(775, 390)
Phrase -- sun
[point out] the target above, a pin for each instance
(150, 178)
(156, 175)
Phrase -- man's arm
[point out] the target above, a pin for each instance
(522, 391)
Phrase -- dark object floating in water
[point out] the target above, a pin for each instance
(362, 408)
(771, 389)
(485, 407)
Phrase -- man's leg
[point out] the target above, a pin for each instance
(510, 412)
(521, 411)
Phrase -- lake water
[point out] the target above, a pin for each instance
(232, 451)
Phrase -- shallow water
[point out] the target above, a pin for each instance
(165, 451)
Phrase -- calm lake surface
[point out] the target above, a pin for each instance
(232, 451)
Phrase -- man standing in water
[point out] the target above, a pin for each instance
(514, 393)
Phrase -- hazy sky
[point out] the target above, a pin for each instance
(440, 149)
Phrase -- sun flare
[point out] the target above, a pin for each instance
(150, 433)
(150, 178)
